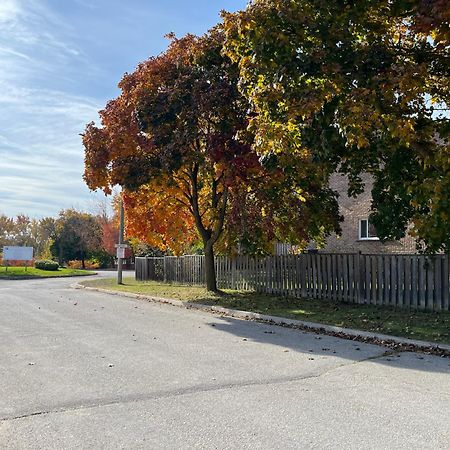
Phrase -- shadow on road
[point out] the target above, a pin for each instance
(320, 346)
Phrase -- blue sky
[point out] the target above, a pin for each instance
(60, 61)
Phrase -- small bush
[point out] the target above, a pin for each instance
(46, 264)
(75, 264)
(92, 264)
(103, 259)
(89, 264)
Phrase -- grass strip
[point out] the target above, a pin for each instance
(31, 272)
(422, 325)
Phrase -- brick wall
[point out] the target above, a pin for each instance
(354, 209)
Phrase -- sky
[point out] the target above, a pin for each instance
(60, 62)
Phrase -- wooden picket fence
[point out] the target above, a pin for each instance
(411, 281)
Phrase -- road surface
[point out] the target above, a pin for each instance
(87, 370)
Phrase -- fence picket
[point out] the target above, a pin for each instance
(445, 283)
(430, 286)
(380, 290)
(367, 278)
(400, 281)
(422, 282)
(414, 281)
(393, 284)
(351, 279)
(407, 264)
(437, 284)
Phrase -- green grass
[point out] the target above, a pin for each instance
(423, 325)
(20, 272)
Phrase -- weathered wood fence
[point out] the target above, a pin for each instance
(411, 281)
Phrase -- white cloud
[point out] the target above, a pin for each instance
(41, 156)
(12, 52)
(9, 10)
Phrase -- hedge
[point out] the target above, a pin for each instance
(46, 264)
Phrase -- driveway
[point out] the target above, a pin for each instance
(87, 370)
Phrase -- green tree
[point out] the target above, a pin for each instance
(44, 230)
(356, 86)
(77, 236)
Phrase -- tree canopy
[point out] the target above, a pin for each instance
(357, 86)
(231, 137)
(177, 141)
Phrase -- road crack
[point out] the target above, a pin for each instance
(199, 389)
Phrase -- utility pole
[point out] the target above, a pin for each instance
(120, 248)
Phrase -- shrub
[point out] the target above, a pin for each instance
(92, 264)
(75, 264)
(103, 259)
(89, 264)
(46, 264)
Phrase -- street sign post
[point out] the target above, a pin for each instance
(120, 245)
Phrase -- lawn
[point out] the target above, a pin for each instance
(31, 272)
(423, 325)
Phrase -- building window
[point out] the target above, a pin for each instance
(367, 231)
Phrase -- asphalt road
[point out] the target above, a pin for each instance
(86, 370)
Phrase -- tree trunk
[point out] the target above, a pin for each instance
(83, 265)
(210, 270)
(60, 255)
(210, 234)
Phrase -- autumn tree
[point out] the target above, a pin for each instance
(176, 140)
(25, 231)
(6, 230)
(107, 215)
(77, 236)
(356, 86)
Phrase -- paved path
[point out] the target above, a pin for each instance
(86, 370)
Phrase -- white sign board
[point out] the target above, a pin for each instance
(17, 253)
(120, 252)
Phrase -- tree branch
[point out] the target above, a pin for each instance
(205, 234)
(219, 228)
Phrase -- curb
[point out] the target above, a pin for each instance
(19, 278)
(392, 342)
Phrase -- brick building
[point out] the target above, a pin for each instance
(358, 235)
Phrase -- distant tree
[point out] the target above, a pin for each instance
(106, 214)
(46, 233)
(6, 230)
(77, 236)
(23, 231)
(140, 248)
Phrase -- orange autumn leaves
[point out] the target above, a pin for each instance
(155, 215)
(169, 141)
